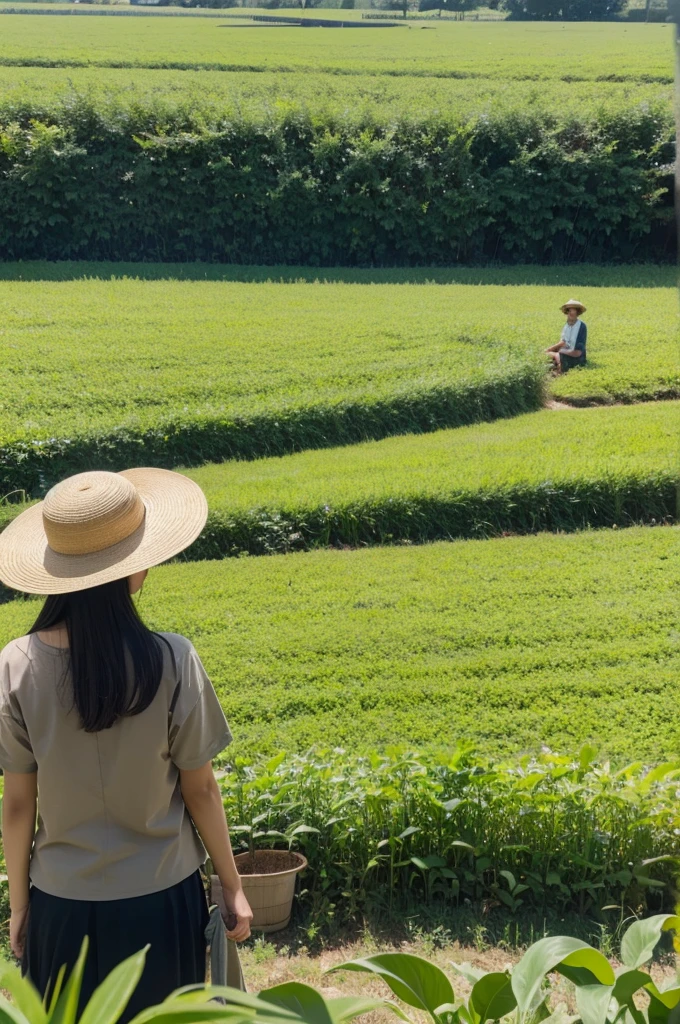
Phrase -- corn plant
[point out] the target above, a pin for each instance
(603, 995)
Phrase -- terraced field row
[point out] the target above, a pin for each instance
(366, 97)
(508, 643)
(547, 470)
(521, 51)
(208, 370)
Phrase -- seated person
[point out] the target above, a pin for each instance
(571, 348)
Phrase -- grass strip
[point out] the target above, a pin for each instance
(33, 466)
(257, 364)
(548, 470)
(508, 644)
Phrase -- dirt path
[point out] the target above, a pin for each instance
(554, 403)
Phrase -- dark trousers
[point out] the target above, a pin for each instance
(568, 362)
(173, 921)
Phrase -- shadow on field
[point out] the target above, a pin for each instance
(571, 276)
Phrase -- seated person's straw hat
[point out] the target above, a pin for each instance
(576, 304)
(97, 527)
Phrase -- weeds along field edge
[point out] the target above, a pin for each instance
(508, 644)
(661, 277)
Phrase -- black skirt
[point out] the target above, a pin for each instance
(173, 921)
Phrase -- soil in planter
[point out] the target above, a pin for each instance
(267, 862)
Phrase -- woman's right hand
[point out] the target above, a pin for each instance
(238, 916)
(18, 923)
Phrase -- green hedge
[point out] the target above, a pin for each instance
(542, 471)
(558, 506)
(34, 466)
(89, 179)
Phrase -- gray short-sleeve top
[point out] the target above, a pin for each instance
(112, 823)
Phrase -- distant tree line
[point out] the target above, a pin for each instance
(527, 10)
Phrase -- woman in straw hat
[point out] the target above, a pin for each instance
(570, 350)
(109, 729)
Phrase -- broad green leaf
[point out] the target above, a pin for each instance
(24, 995)
(10, 1014)
(415, 981)
(669, 996)
(593, 1002)
(111, 997)
(166, 1013)
(467, 971)
(560, 1015)
(432, 861)
(448, 1012)
(346, 1008)
(250, 1004)
(492, 997)
(637, 945)
(628, 981)
(66, 1009)
(545, 956)
(657, 1012)
(302, 828)
(302, 1000)
(657, 774)
(587, 965)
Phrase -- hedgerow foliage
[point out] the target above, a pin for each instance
(111, 182)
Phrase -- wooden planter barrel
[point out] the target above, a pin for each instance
(269, 885)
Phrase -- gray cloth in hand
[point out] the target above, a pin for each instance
(225, 966)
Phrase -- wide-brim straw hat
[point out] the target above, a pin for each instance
(575, 303)
(97, 527)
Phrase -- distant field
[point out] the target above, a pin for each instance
(225, 93)
(208, 369)
(510, 643)
(534, 51)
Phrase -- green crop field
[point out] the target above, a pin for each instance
(615, 52)
(197, 363)
(555, 470)
(252, 93)
(510, 643)
(549, 470)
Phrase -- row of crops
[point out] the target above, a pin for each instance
(542, 471)
(509, 644)
(211, 369)
(398, 146)
(604, 52)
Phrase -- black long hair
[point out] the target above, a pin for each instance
(115, 662)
